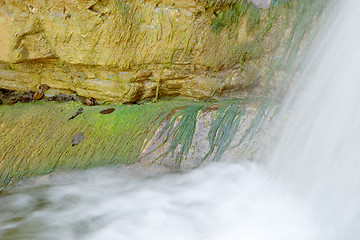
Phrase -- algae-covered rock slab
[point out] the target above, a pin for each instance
(37, 137)
(41, 137)
(200, 49)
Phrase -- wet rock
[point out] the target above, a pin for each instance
(39, 94)
(44, 87)
(107, 110)
(13, 101)
(26, 97)
(144, 74)
(61, 97)
(90, 102)
(77, 138)
(2, 94)
(79, 111)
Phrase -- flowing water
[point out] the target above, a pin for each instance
(309, 188)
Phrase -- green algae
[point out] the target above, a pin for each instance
(218, 3)
(231, 15)
(246, 51)
(228, 117)
(180, 129)
(307, 12)
(36, 137)
(306, 22)
(253, 18)
(225, 126)
(293, 23)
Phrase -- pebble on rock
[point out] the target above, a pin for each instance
(26, 97)
(39, 94)
(61, 97)
(77, 138)
(44, 87)
(107, 110)
(90, 102)
(13, 101)
(79, 111)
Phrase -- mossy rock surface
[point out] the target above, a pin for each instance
(36, 138)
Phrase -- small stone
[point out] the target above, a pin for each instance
(39, 94)
(26, 97)
(144, 74)
(13, 101)
(107, 110)
(44, 87)
(61, 97)
(90, 102)
(68, 98)
(77, 138)
(79, 111)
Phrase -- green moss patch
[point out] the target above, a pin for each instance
(231, 15)
(35, 138)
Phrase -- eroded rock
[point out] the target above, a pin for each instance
(126, 51)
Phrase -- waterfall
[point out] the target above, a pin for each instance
(318, 153)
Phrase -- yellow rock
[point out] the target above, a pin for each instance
(115, 49)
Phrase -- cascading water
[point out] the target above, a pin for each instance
(318, 154)
(307, 190)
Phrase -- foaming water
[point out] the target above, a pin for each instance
(222, 201)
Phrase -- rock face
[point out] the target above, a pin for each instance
(226, 131)
(125, 51)
(177, 134)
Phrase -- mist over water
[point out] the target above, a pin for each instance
(308, 188)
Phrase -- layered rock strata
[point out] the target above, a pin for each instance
(125, 51)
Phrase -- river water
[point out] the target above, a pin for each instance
(307, 188)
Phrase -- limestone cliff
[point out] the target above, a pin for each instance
(125, 51)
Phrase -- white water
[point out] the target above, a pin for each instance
(310, 188)
(319, 152)
(223, 201)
